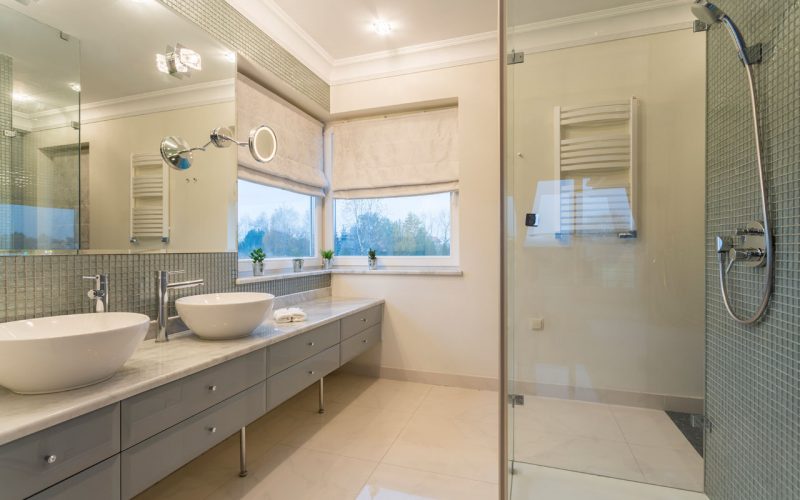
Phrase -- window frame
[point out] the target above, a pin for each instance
(392, 261)
(245, 266)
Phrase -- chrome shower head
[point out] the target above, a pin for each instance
(707, 12)
(710, 14)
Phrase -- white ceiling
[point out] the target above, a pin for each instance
(342, 27)
(118, 43)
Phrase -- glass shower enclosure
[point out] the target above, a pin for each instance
(604, 199)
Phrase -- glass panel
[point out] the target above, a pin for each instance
(605, 276)
(405, 226)
(39, 137)
(279, 222)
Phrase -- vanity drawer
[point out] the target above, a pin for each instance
(289, 382)
(74, 445)
(294, 350)
(100, 481)
(155, 458)
(360, 321)
(360, 343)
(155, 410)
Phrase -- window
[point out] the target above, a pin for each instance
(279, 221)
(410, 226)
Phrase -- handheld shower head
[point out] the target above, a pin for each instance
(707, 12)
(710, 14)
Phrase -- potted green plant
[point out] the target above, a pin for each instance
(372, 259)
(327, 258)
(258, 256)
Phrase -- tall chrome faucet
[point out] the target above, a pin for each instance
(164, 286)
(99, 294)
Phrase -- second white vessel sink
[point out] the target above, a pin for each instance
(59, 353)
(220, 316)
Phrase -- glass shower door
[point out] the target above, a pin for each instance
(604, 197)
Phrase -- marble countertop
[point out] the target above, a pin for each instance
(153, 365)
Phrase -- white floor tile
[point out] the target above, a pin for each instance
(390, 482)
(670, 467)
(649, 427)
(563, 416)
(543, 483)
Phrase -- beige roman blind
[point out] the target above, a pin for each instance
(298, 164)
(396, 155)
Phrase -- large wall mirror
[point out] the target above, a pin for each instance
(88, 89)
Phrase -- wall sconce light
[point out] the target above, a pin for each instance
(262, 141)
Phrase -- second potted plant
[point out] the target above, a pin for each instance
(258, 256)
(327, 258)
(372, 259)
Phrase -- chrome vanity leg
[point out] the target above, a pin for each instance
(242, 453)
(321, 396)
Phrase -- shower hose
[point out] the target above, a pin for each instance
(768, 240)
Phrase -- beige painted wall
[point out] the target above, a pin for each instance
(618, 315)
(203, 213)
(443, 325)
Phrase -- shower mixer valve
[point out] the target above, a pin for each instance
(748, 246)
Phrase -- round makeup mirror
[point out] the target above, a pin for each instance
(176, 152)
(263, 143)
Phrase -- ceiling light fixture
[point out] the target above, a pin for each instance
(382, 28)
(21, 97)
(179, 61)
(76, 87)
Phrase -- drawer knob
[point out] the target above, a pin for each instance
(212, 429)
(311, 372)
(363, 320)
(212, 388)
(364, 341)
(50, 459)
(311, 344)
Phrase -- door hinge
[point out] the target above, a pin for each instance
(515, 57)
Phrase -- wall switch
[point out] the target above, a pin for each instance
(536, 324)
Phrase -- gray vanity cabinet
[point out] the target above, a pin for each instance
(155, 458)
(153, 411)
(289, 382)
(35, 462)
(122, 449)
(98, 482)
(360, 321)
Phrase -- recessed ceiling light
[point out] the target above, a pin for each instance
(75, 86)
(382, 27)
(21, 97)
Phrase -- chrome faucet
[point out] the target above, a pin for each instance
(99, 294)
(164, 286)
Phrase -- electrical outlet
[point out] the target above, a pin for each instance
(535, 324)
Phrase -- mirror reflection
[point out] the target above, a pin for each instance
(88, 90)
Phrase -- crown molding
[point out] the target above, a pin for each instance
(275, 22)
(654, 16)
(187, 96)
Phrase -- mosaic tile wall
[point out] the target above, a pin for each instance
(35, 286)
(6, 85)
(753, 373)
(227, 24)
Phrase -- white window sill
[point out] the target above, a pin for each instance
(360, 270)
(397, 270)
(280, 274)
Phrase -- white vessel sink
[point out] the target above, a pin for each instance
(219, 316)
(66, 352)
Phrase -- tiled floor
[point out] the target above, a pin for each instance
(532, 482)
(616, 441)
(384, 439)
(380, 439)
